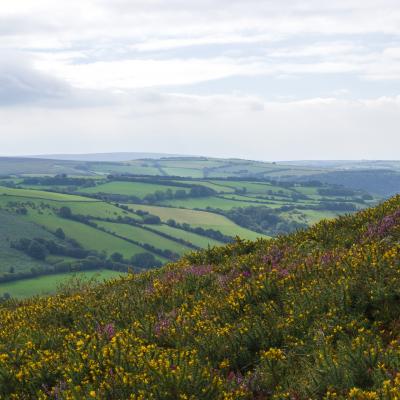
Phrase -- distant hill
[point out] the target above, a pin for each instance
(106, 157)
(378, 177)
(383, 182)
(312, 315)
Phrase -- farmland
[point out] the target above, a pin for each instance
(138, 189)
(49, 284)
(150, 212)
(202, 219)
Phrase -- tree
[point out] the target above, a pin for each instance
(145, 260)
(37, 250)
(65, 212)
(60, 233)
(117, 257)
(152, 219)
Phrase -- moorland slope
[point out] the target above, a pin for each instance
(311, 315)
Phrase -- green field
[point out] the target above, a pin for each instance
(241, 187)
(91, 208)
(40, 194)
(203, 203)
(144, 236)
(13, 228)
(203, 219)
(197, 240)
(138, 189)
(48, 284)
(100, 210)
(254, 201)
(90, 238)
(254, 187)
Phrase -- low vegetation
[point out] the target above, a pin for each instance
(312, 315)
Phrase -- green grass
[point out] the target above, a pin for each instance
(48, 284)
(138, 189)
(40, 194)
(255, 201)
(197, 240)
(203, 219)
(204, 202)
(90, 238)
(218, 187)
(254, 187)
(184, 172)
(125, 168)
(13, 228)
(90, 208)
(144, 236)
(100, 210)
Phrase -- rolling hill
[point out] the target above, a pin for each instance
(311, 315)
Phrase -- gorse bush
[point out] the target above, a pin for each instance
(312, 315)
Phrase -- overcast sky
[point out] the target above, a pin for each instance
(260, 79)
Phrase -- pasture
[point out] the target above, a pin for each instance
(194, 238)
(48, 284)
(196, 218)
(13, 228)
(203, 203)
(141, 235)
(138, 189)
(88, 237)
(41, 195)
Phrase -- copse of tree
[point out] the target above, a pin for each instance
(145, 260)
(72, 249)
(37, 250)
(58, 180)
(263, 220)
(336, 191)
(335, 206)
(117, 257)
(60, 233)
(151, 219)
(312, 183)
(65, 212)
(201, 191)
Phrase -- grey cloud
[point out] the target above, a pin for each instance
(21, 83)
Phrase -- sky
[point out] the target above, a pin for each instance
(256, 79)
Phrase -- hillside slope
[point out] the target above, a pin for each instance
(308, 316)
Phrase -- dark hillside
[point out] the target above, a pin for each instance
(312, 315)
(379, 181)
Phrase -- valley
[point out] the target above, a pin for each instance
(136, 215)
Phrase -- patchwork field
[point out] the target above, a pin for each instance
(155, 211)
(11, 229)
(207, 202)
(144, 236)
(40, 194)
(201, 219)
(137, 189)
(48, 284)
(197, 240)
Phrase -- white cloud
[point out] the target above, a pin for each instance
(94, 75)
(217, 126)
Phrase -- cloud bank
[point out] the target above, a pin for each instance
(255, 79)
